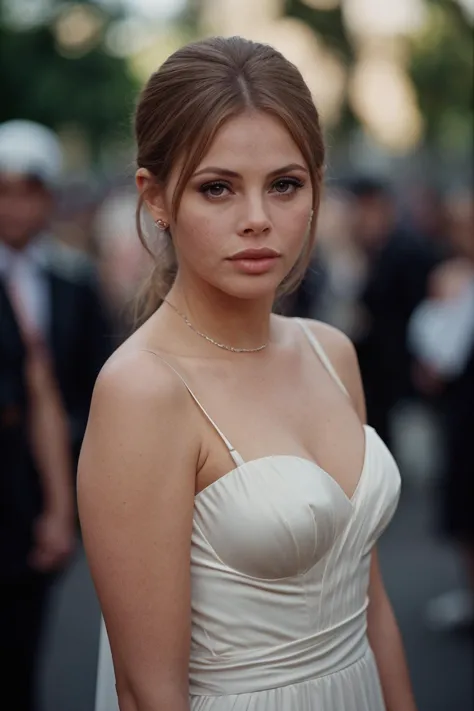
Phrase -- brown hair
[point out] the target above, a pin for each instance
(186, 102)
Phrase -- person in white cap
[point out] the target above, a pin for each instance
(52, 343)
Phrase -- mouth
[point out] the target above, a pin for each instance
(262, 253)
(255, 261)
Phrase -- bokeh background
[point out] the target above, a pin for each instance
(393, 80)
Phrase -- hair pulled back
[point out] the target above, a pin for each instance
(187, 101)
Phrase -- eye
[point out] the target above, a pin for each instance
(287, 186)
(216, 189)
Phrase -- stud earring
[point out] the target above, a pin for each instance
(162, 225)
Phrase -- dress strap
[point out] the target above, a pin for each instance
(233, 452)
(322, 354)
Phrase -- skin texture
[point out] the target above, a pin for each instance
(148, 449)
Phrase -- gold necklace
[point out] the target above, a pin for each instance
(211, 340)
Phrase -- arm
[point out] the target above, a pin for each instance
(383, 632)
(386, 643)
(136, 488)
(54, 530)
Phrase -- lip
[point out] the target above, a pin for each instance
(255, 261)
(260, 253)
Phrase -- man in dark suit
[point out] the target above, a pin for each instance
(53, 341)
(398, 263)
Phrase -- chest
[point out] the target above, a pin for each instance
(291, 407)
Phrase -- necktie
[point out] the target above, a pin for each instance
(34, 342)
(39, 369)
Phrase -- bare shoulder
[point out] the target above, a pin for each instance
(342, 354)
(138, 407)
(139, 377)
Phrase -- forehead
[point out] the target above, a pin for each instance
(252, 141)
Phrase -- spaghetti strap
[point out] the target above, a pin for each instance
(233, 452)
(322, 354)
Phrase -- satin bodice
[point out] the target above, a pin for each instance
(280, 570)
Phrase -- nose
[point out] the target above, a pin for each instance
(254, 220)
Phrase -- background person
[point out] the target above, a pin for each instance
(52, 342)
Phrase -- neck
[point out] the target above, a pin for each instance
(240, 323)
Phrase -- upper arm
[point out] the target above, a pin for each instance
(379, 610)
(377, 593)
(342, 354)
(136, 488)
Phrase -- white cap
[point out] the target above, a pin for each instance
(28, 148)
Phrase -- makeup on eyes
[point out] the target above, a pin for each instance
(285, 181)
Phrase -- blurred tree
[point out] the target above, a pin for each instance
(329, 25)
(442, 68)
(440, 63)
(57, 69)
(59, 73)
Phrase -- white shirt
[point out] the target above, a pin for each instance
(25, 269)
(441, 333)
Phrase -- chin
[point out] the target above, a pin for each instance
(251, 288)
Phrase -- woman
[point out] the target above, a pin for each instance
(233, 569)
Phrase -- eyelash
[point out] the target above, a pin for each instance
(295, 182)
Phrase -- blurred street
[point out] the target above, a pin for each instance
(416, 568)
(84, 262)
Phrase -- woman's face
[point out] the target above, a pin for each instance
(244, 215)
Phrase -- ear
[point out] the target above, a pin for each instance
(153, 194)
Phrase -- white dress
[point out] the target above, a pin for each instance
(280, 570)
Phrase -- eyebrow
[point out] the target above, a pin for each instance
(232, 174)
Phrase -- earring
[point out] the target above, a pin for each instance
(162, 225)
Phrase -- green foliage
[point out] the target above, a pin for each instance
(95, 91)
(329, 25)
(92, 90)
(441, 66)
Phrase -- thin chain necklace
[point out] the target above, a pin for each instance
(211, 340)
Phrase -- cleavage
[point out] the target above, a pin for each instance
(332, 458)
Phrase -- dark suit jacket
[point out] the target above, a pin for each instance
(80, 341)
(458, 490)
(396, 285)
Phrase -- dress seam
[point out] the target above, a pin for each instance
(360, 659)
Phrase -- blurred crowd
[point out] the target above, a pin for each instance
(393, 268)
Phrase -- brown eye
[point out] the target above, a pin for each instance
(287, 186)
(214, 190)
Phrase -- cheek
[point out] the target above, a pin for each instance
(293, 225)
(200, 234)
